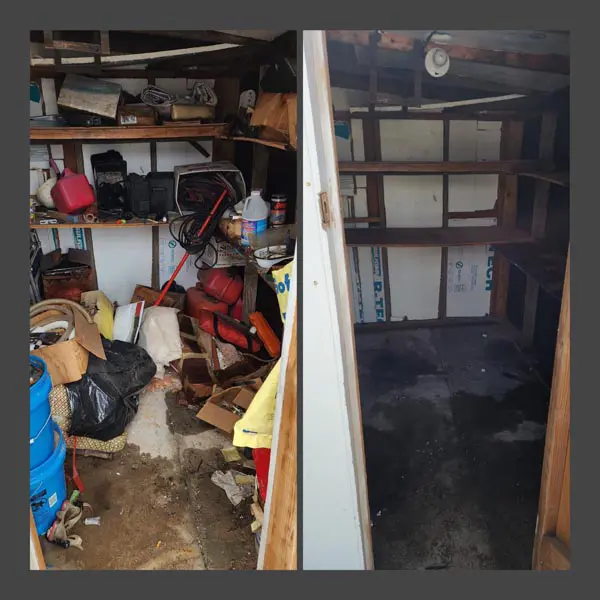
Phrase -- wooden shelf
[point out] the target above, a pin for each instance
(270, 144)
(435, 236)
(132, 134)
(561, 179)
(512, 167)
(544, 265)
(113, 225)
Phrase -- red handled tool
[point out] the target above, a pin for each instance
(187, 254)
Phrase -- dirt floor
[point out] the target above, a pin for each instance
(454, 433)
(158, 508)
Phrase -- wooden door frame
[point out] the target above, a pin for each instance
(552, 539)
(336, 526)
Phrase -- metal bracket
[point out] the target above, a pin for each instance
(325, 210)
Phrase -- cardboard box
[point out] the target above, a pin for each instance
(136, 114)
(150, 296)
(68, 361)
(276, 114)
(214, 413)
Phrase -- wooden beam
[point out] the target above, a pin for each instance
(558, 430)
(490, 213)
(561, 179)
(136, 133)
(542, 187)
(414, 237)
(538, 224)
(511, 142)
(418, 323)
(362, 220)
(227, 90)
(438, 168)
(550, 63)
(281, 545)
(539, 262)
(422, 115)
(443, 291)
(554, 555)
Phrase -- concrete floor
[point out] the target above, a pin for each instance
(454, 424)
(158, 507)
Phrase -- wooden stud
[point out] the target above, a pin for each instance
(538, 225)
(489, 167)
(510, 148)
(556, 452)
(281, 544)
(155, 273)
(414, 237)
(443, 298)
(227, 91)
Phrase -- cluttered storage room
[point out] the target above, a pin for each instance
(162, 292)
(453, 151)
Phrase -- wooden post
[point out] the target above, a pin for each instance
(538, 225)
(443, 299)
(281, 543)
(510, 148)
(552, 538)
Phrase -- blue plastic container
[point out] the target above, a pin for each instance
(47, 485)
(41, 438)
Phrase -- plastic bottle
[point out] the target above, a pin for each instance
(254, 216)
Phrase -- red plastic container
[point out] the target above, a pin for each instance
(219, 327)
(196, 300)
(262, 458)
(72, 192)
(237, 310)
(221, 284)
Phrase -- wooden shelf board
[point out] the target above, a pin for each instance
(441, 167)
(270, 144)
(561, 179)
(96, 225)
(539, 262)
(134, 133)
(435, 236)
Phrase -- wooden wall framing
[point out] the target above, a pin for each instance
(552, 544)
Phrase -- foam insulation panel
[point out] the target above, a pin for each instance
(473, 141)
(469, 275)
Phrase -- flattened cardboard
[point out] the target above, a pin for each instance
(149, 296)
(220, 417)
(68, 361)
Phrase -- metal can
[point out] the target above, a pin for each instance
(278, 210)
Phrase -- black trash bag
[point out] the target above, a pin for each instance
(105, 400)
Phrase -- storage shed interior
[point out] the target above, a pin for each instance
(182, 100)
(455, 192)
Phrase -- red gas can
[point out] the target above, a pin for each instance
(223, 328)
(196, 300)
(72, 192)
(221, 284)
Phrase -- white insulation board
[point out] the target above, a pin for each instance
(416, 201)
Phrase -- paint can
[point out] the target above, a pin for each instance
(278, 210)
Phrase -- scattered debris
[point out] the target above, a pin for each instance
(92, 520)
(231, 454)
(235, 492)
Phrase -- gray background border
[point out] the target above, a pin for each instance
(236, 14)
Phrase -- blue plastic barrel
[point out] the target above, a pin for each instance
(47, 485)
(41, 438)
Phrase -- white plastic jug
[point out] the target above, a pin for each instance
(254, 216)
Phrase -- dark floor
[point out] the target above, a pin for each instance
(454, 434)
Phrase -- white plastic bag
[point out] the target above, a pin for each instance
(159, 336)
